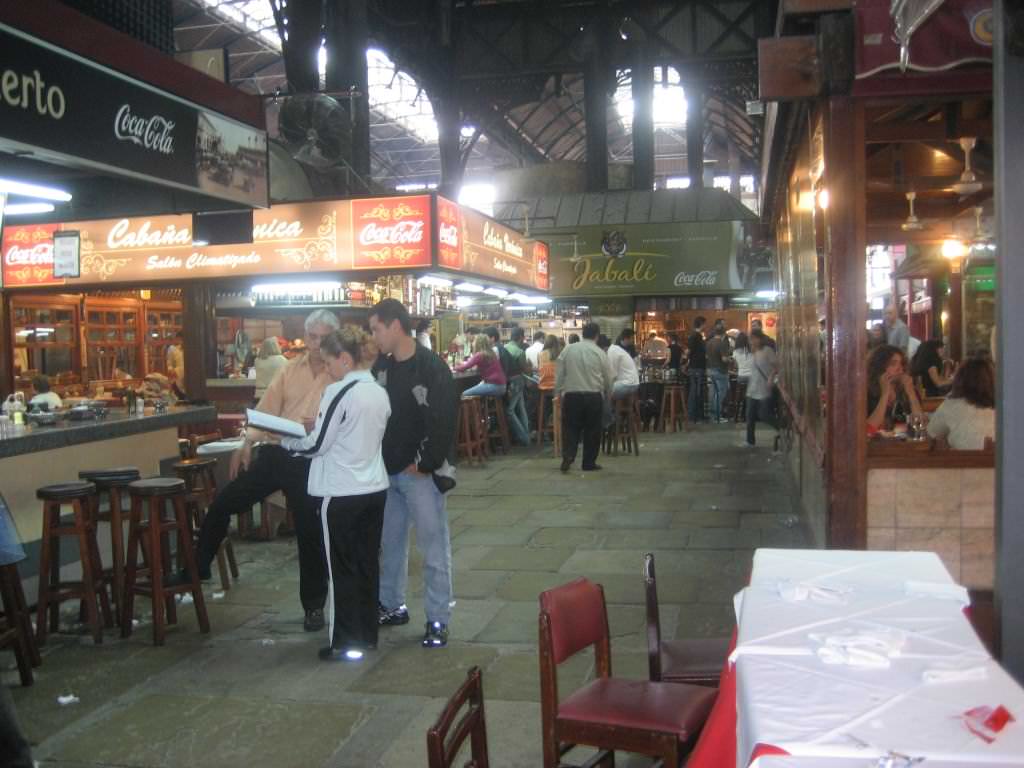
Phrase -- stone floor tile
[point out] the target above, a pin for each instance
(567, 537)
(416, 671)
(523, 559)
(213, 732)
(494, 536)
(514, 623)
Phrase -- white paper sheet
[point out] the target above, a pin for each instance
(274, 424)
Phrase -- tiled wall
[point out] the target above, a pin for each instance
(947, 511)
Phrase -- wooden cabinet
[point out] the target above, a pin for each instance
(113, 339)
(163, 326)
(44, 338)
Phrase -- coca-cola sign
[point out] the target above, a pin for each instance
(392, 232)
(706, 278)
(155, 133)
(71, 109)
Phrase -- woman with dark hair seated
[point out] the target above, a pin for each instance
(968, 416)
(891, 395)
(927, 368)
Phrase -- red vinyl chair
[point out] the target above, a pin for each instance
(657, 719)
(442, 750)
(697, 661)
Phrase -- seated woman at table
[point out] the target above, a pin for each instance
(43, 396)
(548, 358)
(487, 364)
(926, 367)
(891, 395)
(967, 417)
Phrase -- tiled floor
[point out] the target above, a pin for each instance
(253, 693)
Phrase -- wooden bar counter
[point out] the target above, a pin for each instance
(41, 456)
(923, 498)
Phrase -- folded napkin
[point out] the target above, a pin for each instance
(799, 591)
(942, 674)
(935, 589)
(866, 649)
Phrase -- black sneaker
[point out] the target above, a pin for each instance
(392, 618)
(565, 466)
(314, 620)
(592, 468)
(436, 635)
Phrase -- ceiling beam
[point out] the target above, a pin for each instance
(896, 133)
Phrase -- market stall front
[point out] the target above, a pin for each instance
(129, 300)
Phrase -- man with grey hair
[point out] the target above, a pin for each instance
(262, 467)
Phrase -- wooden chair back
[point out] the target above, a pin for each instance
(442, 750)
(653, 619)
(572, 617)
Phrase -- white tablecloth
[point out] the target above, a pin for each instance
(827, 714)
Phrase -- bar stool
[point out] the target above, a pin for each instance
(200, 491)
(546, 396)
(112, 482)
(52, 590)
(624, 427)
(472, 443)
(556, 426)
(18, 634)
(493, 406)
(673, 409)
(148, 531)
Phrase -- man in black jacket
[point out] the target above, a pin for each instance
(419, 454)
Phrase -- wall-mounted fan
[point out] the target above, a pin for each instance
(912, 223)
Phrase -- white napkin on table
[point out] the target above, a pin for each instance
(954, 675)
(799, 591)
(866, 649)
(935, 589)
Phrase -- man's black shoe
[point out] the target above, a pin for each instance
(565, 465)
(341, 654)
(436, 635)
(392, 618)
(314, 620)
(593, 468)
(181, 578)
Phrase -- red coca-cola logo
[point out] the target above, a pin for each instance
(401, 233)
(449, 238)
(16, 256)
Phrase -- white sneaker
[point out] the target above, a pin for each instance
(744, 444)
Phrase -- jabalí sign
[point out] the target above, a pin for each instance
(655, 259)
(62, 105)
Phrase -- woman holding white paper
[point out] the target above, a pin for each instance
(348, 481)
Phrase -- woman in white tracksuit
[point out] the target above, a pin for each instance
(348, 483)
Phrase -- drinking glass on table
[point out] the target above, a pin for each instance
(917, 425)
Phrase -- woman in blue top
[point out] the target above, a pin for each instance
(348, 482)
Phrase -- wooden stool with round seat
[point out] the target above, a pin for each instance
(91, 589)
(624, 427)
(550, 426)
(471, 441)
(673, 409)
(148, 531)
(113, 483)
(200, 491)
(493, 407)
(18, 633)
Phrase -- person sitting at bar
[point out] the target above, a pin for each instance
(583, 380)
(348, 486)
(533, 351)
(547, 362)
(625, 377)
(891, 395)
(927, 366)
(967, 417)
(262, 467)
(268, 364)
(44, 398)
(492, 377)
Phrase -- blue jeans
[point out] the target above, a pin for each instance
(694, 401)
(719, 392)
(483, 389)
(518, 421)
(413, 499)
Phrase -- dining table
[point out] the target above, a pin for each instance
(865, 659)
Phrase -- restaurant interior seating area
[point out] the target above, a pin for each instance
(684, 337)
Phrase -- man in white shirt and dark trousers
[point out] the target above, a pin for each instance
(419, 455)
(583, 380)
(533, 351)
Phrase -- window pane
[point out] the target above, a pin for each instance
(65, 334)
(177, 320)
(96, 317)
(112, 318)
(54, 360)
(22, 315)
(95, 334)
(129, 335)
(113, 334)
(151, 318)
(44, 316)
(64, 316)
(128, 318)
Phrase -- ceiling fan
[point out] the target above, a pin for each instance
(981, 243)
(968, 183)
(912, 223)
